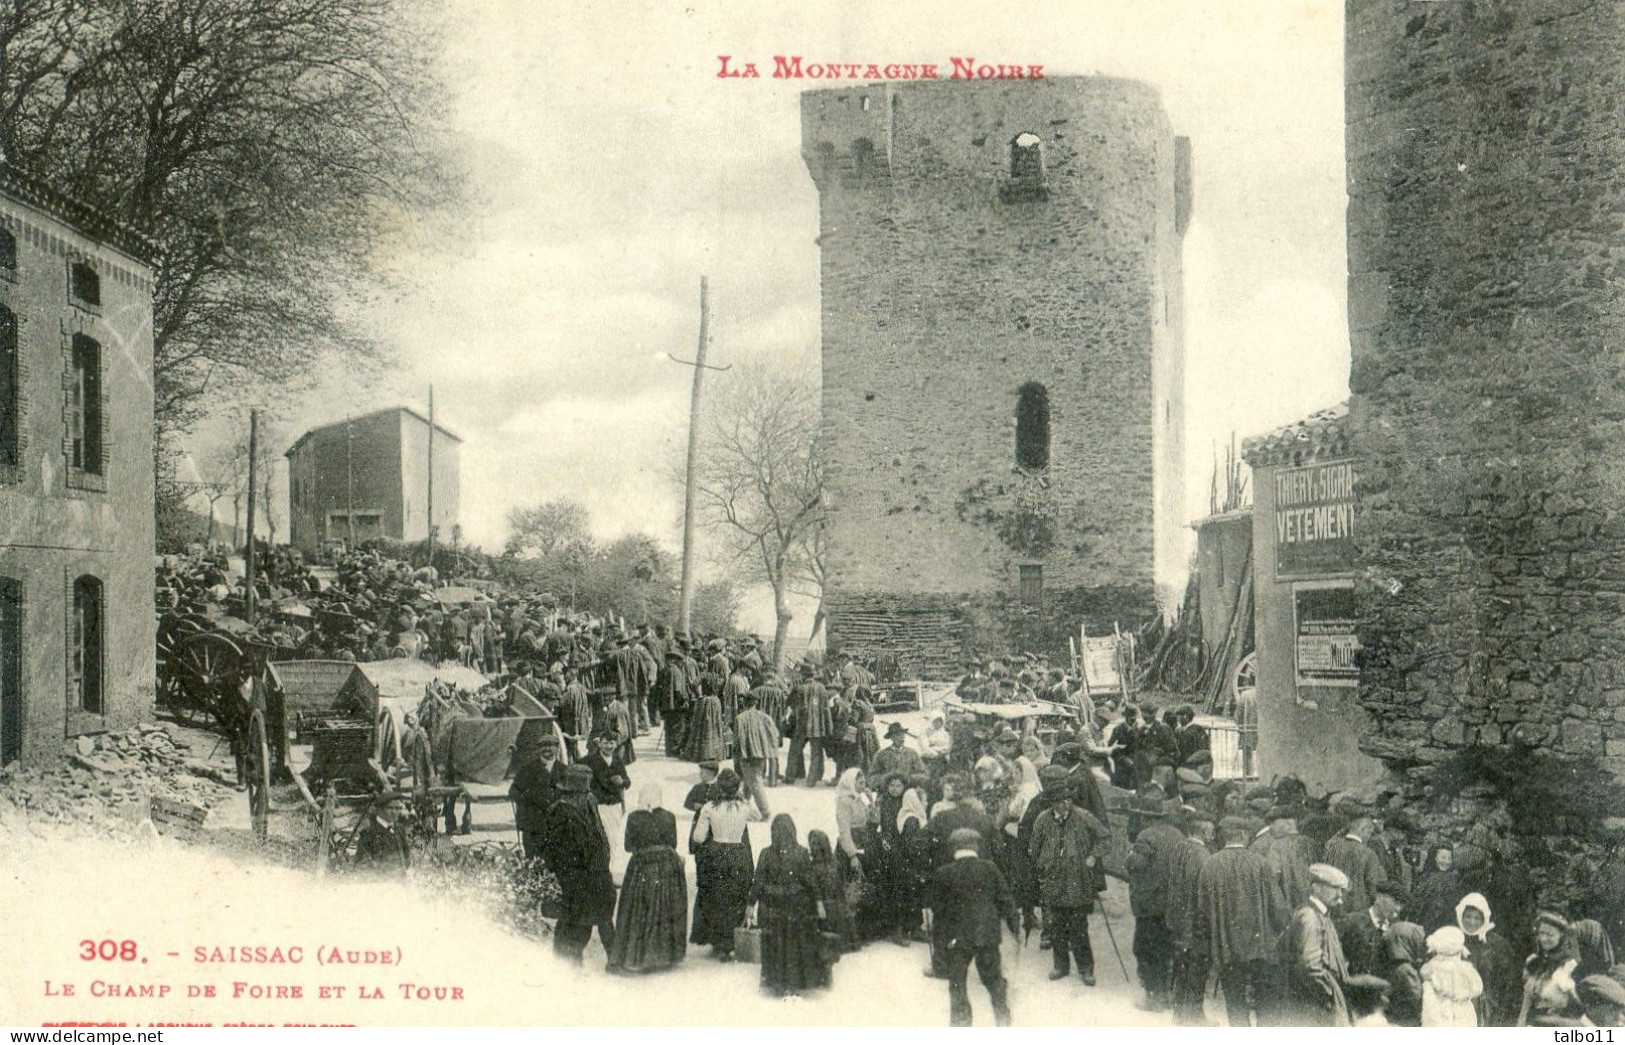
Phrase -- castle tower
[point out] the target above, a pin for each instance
(1002, 360)
(1486, 170)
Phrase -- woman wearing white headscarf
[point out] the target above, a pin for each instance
(915, 863)
(1495, 960)
(851, 820)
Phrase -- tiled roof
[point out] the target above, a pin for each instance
(33, 191)
(1324, 433)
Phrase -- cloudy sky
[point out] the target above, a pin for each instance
(611, 168)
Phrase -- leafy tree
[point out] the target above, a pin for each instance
(272, 148)
(716, 607)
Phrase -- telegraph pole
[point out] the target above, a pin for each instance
(248, 558)
(685, 600)
(349, 484)
(431, 475)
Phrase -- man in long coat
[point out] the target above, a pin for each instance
(969, 900)
(1351, 854)
(1066, 843)
(810, 704)
(1313, 955)
(1186, 925)
(671, 698)
(575, 714)
(1288, 855)
(535, 787)
(1238, 900)
(576, 848)
(1148, 866)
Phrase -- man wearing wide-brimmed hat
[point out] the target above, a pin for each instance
(899, 757)
(1148, 866)
(1066, 843)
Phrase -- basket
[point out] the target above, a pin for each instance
(748, 945)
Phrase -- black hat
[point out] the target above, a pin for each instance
(896, 730)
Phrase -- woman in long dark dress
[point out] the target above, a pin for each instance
(893, 869)
(577, 851)
(788, 911)
(832, 890)
(651, 924)
(722, 859)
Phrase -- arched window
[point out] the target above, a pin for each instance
(863, 158)
(1032, 427)
(86, 633)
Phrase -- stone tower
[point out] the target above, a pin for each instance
(1486, 173)
(1002, 360)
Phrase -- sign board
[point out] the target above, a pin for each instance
(1099, 656)
(1314, 519)
(1326, 640)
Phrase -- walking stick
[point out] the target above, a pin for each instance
(1113, 938)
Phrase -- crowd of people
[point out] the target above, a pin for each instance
(1301, 911)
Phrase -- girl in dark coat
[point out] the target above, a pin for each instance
(789, 910)
(723, 865)
(577, 851)
(832, 891)
(1407, 950)
(890, 867)
(651, 924)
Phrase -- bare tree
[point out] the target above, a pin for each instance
(761, 479)
(810, 572)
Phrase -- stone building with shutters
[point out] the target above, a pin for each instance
(1002, 320)
(77, 635)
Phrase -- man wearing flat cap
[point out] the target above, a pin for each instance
(535, 787)
(1313, 954)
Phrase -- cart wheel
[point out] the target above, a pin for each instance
(207, 673)
(1245, 676)
(257, 774)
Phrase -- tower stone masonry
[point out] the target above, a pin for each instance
(1002, 360)
(1486, 174)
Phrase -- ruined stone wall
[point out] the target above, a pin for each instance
(1487, 314)
(948, 284)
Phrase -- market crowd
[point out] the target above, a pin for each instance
(1298, 910)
